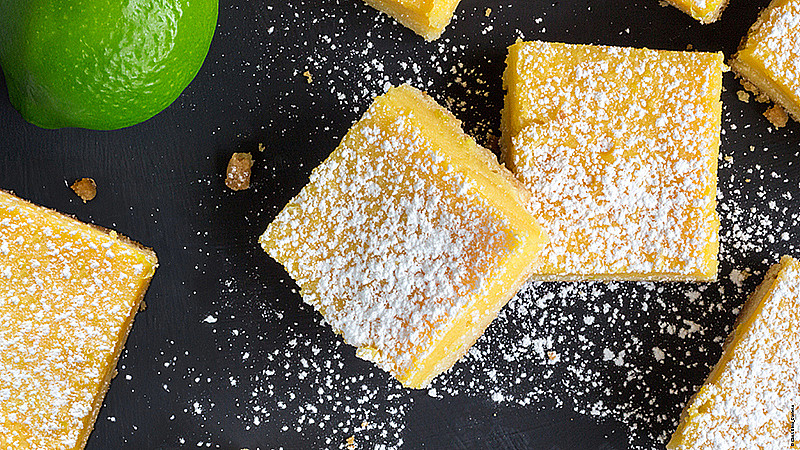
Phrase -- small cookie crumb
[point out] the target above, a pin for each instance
(307, 74)
(351, 443)
(743, 96)
(551, 355)
(488, 12)
(86, 189)
(261, 147)
(777, 116)
(750, 87)
(238, 175)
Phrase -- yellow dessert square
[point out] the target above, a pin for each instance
(706, 11)
(427, 18)
(619, 148)
(769, 57)
(748, 399)
(409, 238)
(68, 295)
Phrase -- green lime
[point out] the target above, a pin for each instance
(101, 64)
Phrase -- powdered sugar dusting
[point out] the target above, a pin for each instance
(619, 147)
(353, 53)
(754, 391)
(395, 253)
(775, 42)
(69, 292)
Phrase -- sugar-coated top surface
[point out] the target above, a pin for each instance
(750, 404)
(67, 291)
(775, 41)
(619, 148)
(389, 240)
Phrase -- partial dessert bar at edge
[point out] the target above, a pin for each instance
(409, 238)
(427, 18)
(769, 58)
(747, 401)
(619, 148)
(68, 296)
(705, 11)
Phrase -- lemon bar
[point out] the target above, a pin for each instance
(706, 11)
(427, 18)
(408, 238)
(769, 57)
(619, 148)
(68, 295)
(747, 402)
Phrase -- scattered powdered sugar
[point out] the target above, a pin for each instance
(620, 352)
(303, 384)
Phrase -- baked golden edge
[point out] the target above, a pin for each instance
(111, 371)
(750, 307)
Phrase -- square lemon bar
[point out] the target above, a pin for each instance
(408, 238)
(68, 295)
(619, 149)
(752, 394)
(706, 11)
(427, 18)
(769, 57)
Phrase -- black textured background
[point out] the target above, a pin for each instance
(161, 183)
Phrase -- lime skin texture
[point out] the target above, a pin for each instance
(101, 64)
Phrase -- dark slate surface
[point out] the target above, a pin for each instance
(161, 183)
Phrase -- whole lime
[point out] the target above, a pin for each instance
(101, 64)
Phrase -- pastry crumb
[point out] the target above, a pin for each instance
(551, 355)
(351, 443)
(238, 175)
(261, 147)
(743, 96)
(777, 116)
(86, 189)
(308, 76)
(750, 87)
(488, 12)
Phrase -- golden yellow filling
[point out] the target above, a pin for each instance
(68, 296)
(748, 399)
(427, 18)
(618, 147)
(409, 238)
